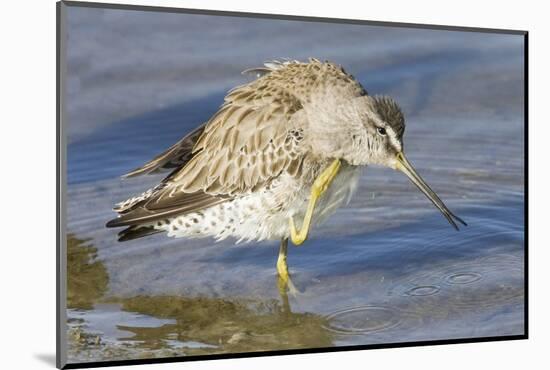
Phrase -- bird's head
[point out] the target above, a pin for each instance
(376, 125)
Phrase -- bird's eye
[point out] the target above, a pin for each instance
(382, 131)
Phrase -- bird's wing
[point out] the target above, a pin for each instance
(256, 147)
(162, 204)
(252, 139)
(259, 133)
(249, 142)
(175, 156)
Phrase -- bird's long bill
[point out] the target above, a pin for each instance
(403, 165)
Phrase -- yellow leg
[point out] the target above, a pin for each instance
(282, 267)
(284, 281)
(320, 185)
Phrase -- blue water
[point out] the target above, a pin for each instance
(387, 268)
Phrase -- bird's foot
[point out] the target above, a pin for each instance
(320, 185)
(284, 282)
(286, 286)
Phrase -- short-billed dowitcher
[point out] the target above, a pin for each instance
(298, 134)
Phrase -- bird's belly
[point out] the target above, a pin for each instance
(264, 215)
(273, 222)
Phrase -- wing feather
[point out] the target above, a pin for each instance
(175, 156)
(256, 135)
(164, 204)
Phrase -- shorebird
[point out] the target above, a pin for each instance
(281, 154)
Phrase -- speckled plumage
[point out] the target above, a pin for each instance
(250, 167)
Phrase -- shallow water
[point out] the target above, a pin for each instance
(387, 268)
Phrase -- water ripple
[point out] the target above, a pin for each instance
(362, 320)
(463, 278)
(457, 286)
(423, 290)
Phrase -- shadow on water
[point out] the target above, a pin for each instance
(109, 328)
(224, 325)
(87, 278)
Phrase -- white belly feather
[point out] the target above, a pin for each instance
(264, 215)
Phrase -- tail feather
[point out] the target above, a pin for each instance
(135, 232)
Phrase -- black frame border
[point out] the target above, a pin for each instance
(60, 186)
